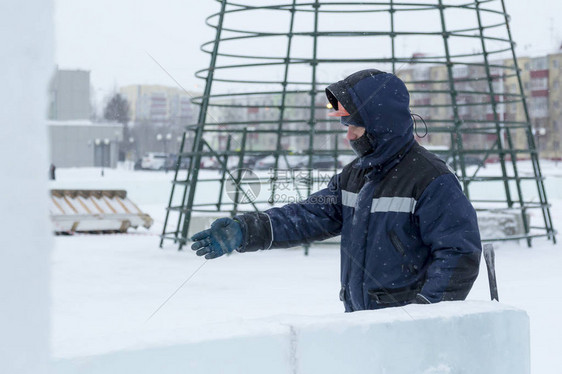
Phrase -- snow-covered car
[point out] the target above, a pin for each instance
(320, 162)
(209, 163)
(249, 161)
(468, 161)
(285, 162)
(154, 161)
(346, 159)
(172, 160)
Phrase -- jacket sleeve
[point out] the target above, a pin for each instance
(318, 217)
(448, 225)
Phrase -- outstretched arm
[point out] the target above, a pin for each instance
(317, 218)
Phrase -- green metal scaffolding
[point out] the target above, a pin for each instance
(264, 96)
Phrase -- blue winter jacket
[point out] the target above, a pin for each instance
(408, 233)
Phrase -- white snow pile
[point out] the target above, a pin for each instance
(104, 288)
(451, 337)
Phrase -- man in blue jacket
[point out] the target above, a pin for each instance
(408, 233)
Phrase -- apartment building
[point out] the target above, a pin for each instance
(160, 105)
(159, 116)
(260, 115)
(540, 77)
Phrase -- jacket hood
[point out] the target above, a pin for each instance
(380, 103)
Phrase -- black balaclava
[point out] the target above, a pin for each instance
(363, 145)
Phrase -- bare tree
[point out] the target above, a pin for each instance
(117, 109)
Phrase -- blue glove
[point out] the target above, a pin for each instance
(224, 236)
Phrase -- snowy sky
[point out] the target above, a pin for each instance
(113, 39)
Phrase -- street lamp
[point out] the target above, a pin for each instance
(168, 138)
(538, 132)
(253, 136)
(103, 145)
(104, 149)
(131, 143)
(165, 140)
(159, 137)
(97, 143)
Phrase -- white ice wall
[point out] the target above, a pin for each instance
(445, 338)
(25, 67)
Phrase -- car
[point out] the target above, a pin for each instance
(297, 162)
(248, 162)
(284, 162)
(444, 153)
(173, 159)
(209, 162)
(468, 161)
(321, 162)
(138, 164)
(346, 159)
(154, 161)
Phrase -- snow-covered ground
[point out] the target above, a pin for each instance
(104, 288)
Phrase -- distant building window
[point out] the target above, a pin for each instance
(421, 74)
(556, 85)
(555, 63)
(539, 84)
(540, 63)
(527, 66)
(460, 72)
(539, 107)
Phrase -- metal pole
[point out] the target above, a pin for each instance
(454, 104)
(531, 141)
(492, 96)
(198, 144)
(312, 121)
(178, 163)
(239, 173)
(283, 101)
(223, 170)
(392, 36)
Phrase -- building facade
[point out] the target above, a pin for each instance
(159, 116)
(161, 105)
(69, 95)
(74, 140)
(84, 143)
(541, 78)
(261, 115)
